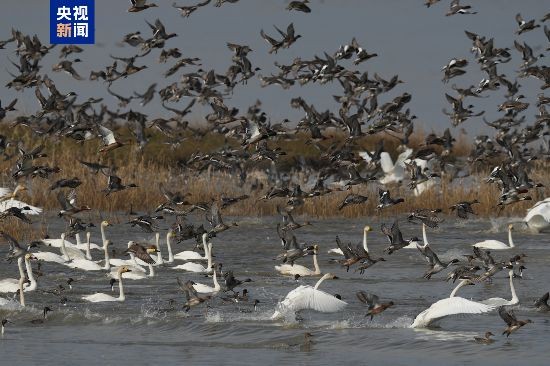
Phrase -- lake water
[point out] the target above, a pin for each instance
(144, 330)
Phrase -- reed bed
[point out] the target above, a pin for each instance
(157, 164)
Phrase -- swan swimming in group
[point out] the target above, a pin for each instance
(12, 284)
(296, 269)
(196, 267)
(187, 255)
(101, 297)
(450, 306)
(307, 297)
(496, 244)
(498, 301)
(538, 216)
(205, 289)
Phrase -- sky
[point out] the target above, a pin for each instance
(411, 40)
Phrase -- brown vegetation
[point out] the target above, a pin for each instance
(158, 164)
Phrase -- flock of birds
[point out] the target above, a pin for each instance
(343, 165)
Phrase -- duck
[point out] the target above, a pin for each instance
(193, 299)
(513, 324)
(140, 5)
(385, 199)
(338, 251)
(486, 339)
(496, 244)
(308, 297)
(101, 297)
(542, 303)
(375, 306)
(294, 269)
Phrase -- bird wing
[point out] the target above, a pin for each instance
(397, 236)
(507, 316)
(140, 253)
(344, 248)
(306, 297)
(431, 256)
(367, 298)
(449, 306)
(11, 241)
(107, 135)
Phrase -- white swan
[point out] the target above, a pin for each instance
(424, 238)
(205, 289)
(12, 284)
(538, 216)
(498, 301)
(101, 297)
(450, 306)
(196, 267)
(189, 255)
(159, 259)
(307, 297)
(80, 261)
(290, 269)
(170, 234)
(496, 244)
(338, 251)
(8, 200)
(392, 172)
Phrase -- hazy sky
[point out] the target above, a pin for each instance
(411, 40)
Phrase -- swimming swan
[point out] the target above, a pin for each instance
(498, 301)
(497, 245)
(290, 269)
(307, 297)
(450, 306)
(101, 297)
(187, 255)
(12, 284)
(205, 289)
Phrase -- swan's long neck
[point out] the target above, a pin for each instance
(216, 284)
(320, 281)
(30, 275)
(209, 257)
(169, 247)
(316, 263)
(103, 238)
(512, 288)
(159, 253)
(510, 240)
(205, 246)
(88, 253)
(365, 241)
(424, 236)
(462, 283)
(21, 291)
(64, 250)
(107, 265)
(20, 266)
(151, 271)
(121, 296)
